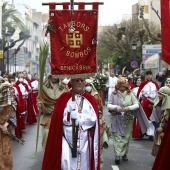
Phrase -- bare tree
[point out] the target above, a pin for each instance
(116, 41)
(152, 36)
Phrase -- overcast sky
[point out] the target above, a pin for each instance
(109, 13)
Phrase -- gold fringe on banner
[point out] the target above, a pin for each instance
(86, 75)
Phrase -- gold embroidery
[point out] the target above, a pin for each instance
(74, 39)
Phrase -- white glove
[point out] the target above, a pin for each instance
(79, 122)
(72, 106)
(74, 115)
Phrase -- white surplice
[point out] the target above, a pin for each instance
(150, 92)
(35, 84)
(111, 83)
(84, 142)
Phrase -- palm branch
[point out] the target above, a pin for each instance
(10, 16)
(43, 54)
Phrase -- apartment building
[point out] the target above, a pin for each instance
(28, 55)
(148, 14)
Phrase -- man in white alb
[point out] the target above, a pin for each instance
(111, 83)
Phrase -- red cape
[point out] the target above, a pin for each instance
(29, 81)
(131, 84)
(143, 84)
(136, 128)
(163, 156)
(34, 98)
(133, 87)
(69, 85)
(31, 117)
(53, 150)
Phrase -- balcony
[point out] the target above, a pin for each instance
(35, 38)
(29, 54)
(25, 50)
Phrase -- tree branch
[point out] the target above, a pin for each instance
(147, 27)
(156, 11)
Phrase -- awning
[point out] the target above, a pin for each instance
(152, 62)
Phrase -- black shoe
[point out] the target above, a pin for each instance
(142, 135)
(151, 138)
(117, 160)
(124, 158)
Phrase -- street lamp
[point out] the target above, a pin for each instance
(8, 38)
(134, 45)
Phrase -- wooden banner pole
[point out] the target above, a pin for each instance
(75, 3)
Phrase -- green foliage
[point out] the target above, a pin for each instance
(103, 54)
(99, 80)
(49, 27)
(10, 17)
(43, 54)
(115, 42)
(10, 21)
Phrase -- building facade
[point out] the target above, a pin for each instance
(27, 58)
(148, 13)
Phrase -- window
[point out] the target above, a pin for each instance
(146, 9)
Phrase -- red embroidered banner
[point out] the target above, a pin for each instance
(165, 29)
(73, 53)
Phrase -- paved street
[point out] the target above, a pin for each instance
(139, 153)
